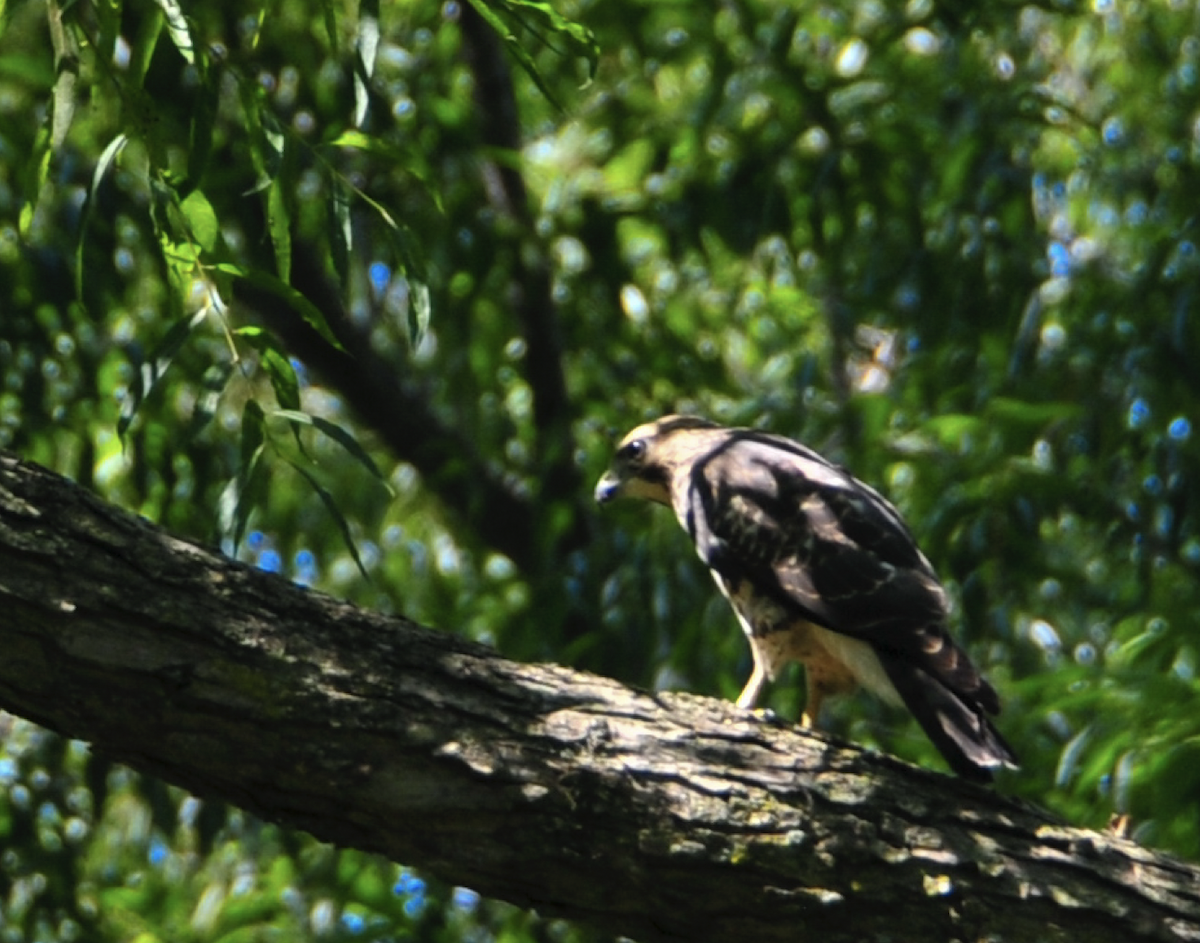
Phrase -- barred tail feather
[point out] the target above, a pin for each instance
(958, 726)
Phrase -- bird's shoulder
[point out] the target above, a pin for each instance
(772, 494)
(806, 533)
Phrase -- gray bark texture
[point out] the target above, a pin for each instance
(656, 816)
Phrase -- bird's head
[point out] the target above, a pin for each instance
(645, 458)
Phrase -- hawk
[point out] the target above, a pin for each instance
(819, 569)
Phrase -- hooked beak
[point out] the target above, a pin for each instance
(608, 488)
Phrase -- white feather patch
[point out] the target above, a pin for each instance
(863, 663)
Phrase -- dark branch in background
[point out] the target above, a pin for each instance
(530, 291)
(398, 410)
(660, 817)
(397, 406)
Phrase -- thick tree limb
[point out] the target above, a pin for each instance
(661, 817)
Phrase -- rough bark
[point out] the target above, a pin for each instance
(661, 817)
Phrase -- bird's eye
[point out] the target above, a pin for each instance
(632, 451)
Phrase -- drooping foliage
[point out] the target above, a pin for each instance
(363, 292)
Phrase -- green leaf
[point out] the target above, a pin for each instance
(1068, 760)
(263, 136)
(336, 514)
(241, 495)
(341, 234)
(1155, 641)
(420, 309)
(247, 485)
(1034, 414)
(178, 29)
(374, 204)
(253, 433)
(536, 16)
(153, 369)
(256, 33)
(200, 132)
(582, 41)
(201, 220)
(275, 362)
(353, 137)
(339, 435)
(66, 65)
(144, 43)
(496, 22)
(108, 16)
(32, 70)
(53, 133)
(366, 47)
(279, 225)
(952, 430)
(39, 171)
(301, 305)
(409, 253)
(283, 378)
(63, 110)
(329, 15)
(106, 159)
(212, 385)
(404, 160)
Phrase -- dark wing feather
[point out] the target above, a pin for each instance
(808, 534)
(957, 727)
(832, 550)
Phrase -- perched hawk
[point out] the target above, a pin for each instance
(820, 569)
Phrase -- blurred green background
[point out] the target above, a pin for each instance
(951, 245)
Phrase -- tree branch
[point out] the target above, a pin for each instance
(662, 817)
(530, 291)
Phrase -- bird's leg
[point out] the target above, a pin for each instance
(749, 696)
(812, 710)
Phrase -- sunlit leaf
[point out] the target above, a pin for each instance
(1069, 758)
(518, 52)
(39, 169)
(537, 17)
(201, 220)
(63, 108)
(258, 26)
(366, 47)
(581, 41)
(53, 134)
(178, 29)
(953, 430)
(420, 312)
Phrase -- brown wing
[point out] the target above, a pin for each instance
(830, 549)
